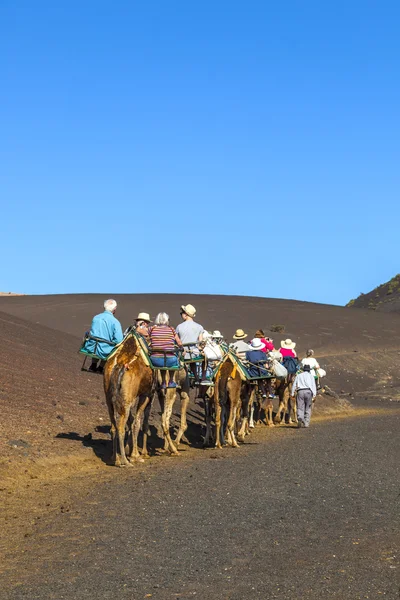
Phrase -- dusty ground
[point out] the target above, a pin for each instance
(55, 447)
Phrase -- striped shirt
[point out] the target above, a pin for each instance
(162, 337)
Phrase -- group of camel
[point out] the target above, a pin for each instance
(130, 384)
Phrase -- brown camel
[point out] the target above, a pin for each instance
(287, 404)
(167, 399)
(129, 386)
(227, 391)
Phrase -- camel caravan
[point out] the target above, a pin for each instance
(236, 382)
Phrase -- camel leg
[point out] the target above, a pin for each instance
(218, 425)
(161, 399)
(270, 421)
(183, 424)
(170, 397)
(146, 416)
(292, 407)
(246, 404)
(208, 419)
(231, 427)
(114, 437)
(142, 404)
(121, 420)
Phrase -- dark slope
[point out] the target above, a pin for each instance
(43, 393)
(42, 390)
(384, 298)
(328, 329)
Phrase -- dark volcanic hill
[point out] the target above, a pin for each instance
(384, 298)
(49, 405)
(328, 329)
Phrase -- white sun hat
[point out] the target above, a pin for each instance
(288, 344)
(256, 344)
(143, 317)
(217, 334)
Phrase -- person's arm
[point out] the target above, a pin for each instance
(178, 339)
(118, 336)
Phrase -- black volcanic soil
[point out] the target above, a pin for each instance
(44, 395)
(54, 445)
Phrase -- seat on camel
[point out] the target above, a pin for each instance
(258, 372)
(165, 355)
(94, 353)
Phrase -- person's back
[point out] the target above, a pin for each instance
(162, 337)
(189, 331)
(312, 363)
(303, 381)
(106, 327)
(257, 360)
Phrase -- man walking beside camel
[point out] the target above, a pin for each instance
(304, 384)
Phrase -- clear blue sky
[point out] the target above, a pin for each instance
(232, 147)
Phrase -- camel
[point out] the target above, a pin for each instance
(287, 404)
(167, 399)
(227, 391)
(129, 386)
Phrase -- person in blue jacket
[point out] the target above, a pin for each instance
(257, 362)
(106, 327)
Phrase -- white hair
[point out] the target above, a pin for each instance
(309, 352)
(110, 305)
(162, 319)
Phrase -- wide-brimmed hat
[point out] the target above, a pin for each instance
(217, 334)
(257, 344)
(143, 317)
(189, 309)
(206, 335)
(288, 344)
(239, 334)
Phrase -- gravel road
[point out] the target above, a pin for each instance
(292, 514)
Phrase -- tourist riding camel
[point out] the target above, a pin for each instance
(304, 386)
(313, 364)
(142, 323)
(239, 346)
(290, 361)
(212, 353)
(257, 362)
(108, 331)
(268, 343)
(191, 333)
(162, 347)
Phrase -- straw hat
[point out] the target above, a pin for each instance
(143, 317)
(257, 344)
(189, 309)
(217, 334)
(239, 334)
(288, 344)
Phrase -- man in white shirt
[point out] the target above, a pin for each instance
(304, 385)
(239, 346)
(311, 361)
(189, 331)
